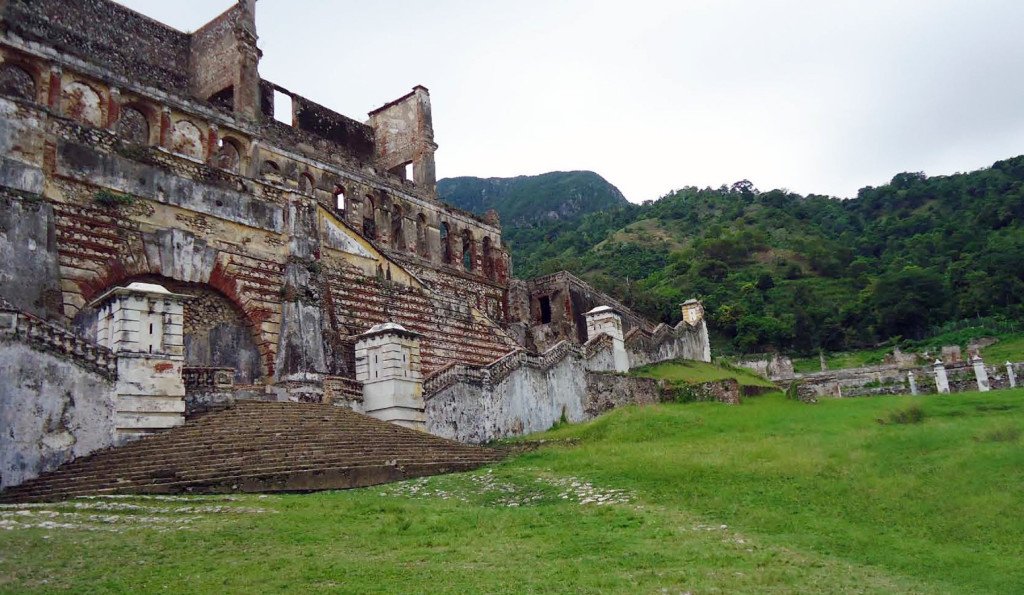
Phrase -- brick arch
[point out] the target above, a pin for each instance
(180, 256)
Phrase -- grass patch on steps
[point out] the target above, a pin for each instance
(773, 496)
(694, 371)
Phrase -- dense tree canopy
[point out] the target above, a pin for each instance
(798, 273)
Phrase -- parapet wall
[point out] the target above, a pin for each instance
(667, 343)
(523, 393)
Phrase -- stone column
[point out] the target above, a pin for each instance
(981, 374)
(143, 324)
(388, 365)
(1011, 375)
(913, 383)
(609, 322)
(941, 381)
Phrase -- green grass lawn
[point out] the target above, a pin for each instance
(693, 371)
(1008, 349)
(772, 496)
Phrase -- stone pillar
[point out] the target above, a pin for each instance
(913, 383)
(980, 374)
(388, 365)
(941, 380)
(1011, 375)
(693, 316)
(143, 324)
(606, 320)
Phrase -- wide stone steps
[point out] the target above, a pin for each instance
(256, 447)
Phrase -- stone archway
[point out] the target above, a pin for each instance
(182, 262)
(217, 333)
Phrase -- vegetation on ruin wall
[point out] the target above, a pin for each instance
(798, 273)
(773, 496)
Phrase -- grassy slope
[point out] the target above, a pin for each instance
(692, 371)
(816, 499)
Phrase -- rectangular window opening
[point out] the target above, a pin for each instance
(283, 107)
(410, 171)
(545, 310)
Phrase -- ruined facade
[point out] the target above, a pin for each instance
(132, 152)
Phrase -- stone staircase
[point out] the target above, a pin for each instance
(259, 447)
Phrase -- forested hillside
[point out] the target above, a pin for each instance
(798, 273)
(554, 196)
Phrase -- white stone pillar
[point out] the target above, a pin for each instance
(1011, 375)
(606, 320)
(388, 365)
(941, 380)
(980, 374)
(913, 383)
(143, 324)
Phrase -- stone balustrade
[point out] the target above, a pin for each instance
(197, 377)
(55, 340)
(498, 370)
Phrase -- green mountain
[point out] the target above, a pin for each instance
(777, 270)
(554, 196)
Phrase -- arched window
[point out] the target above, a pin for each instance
(306, 183)
(133, 126)
(446, 243)
(270, 169)
(187, 139)
(397, 231)
(17, 82)
(82, 103)
(468, 249)
(421, 235)
(339, 198)
(228, 155)
(488, 263)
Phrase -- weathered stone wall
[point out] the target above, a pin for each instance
(28, 257)
(666, 343)
(107, 33)
(771, 366)
(531, 398)
(607, 391)
(51, 411)
(523, 393)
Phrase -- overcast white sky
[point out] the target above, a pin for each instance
(821, 96)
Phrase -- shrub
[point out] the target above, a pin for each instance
(1007, 434)
(911, 415)
(112, 199)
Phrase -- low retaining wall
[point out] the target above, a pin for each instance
(892, 379)
(51, 411)
(607, 391)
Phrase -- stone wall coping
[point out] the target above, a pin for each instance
(140, 289)
(50, 338)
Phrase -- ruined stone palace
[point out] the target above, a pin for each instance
(171, 243)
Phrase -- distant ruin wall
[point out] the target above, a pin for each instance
(144, 49)
(891, 379)
(772, 367)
